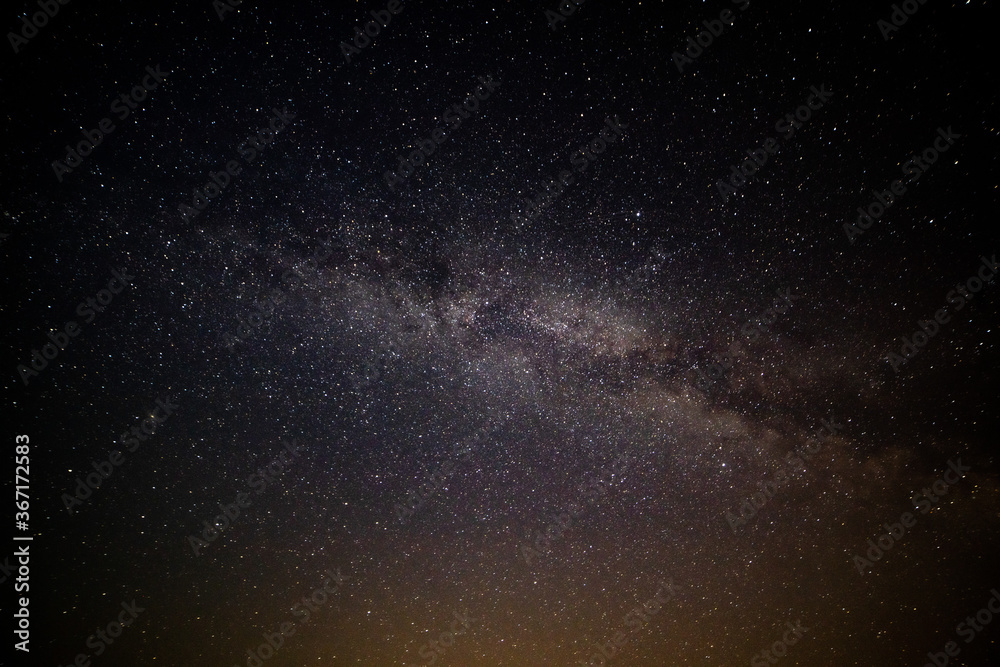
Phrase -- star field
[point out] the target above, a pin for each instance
(649, 424)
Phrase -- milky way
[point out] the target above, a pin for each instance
(560, 334)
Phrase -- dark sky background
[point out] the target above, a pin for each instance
(564, 344)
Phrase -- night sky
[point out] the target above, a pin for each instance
(499, 335)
